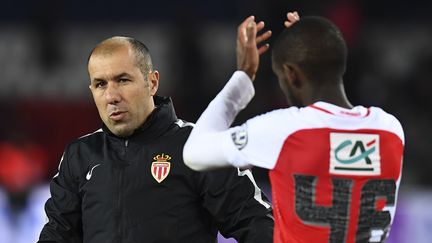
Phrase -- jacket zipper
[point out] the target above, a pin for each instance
(120, 205)
(126, 144)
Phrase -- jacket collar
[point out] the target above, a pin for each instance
(162, 117)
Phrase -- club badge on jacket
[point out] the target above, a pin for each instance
(160, 168)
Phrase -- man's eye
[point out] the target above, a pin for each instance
(123, 80)
(100, 84)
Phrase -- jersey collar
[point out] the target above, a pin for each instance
(356, 112)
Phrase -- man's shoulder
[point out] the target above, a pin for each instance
(383, 113)
(87, 138)
(388, 121)
(276, 120)
(184, 124)
(183, 127)
(92, 134)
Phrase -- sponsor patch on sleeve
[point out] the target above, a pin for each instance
(240, 137)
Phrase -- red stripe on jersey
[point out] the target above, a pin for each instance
(343, 112)
(368, 112)
(321, 109)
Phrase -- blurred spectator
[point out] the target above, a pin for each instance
(22, 193)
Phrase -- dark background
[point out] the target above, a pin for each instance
(44, 46)
(45, 102)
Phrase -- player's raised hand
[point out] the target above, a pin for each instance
(249, 45)
(292, 17)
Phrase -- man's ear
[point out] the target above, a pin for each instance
(293, 75)
(91, 88)
(153, 79)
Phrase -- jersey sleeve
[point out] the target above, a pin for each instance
(259, 141)
(213, 144)
(63, 208)
(203, 149)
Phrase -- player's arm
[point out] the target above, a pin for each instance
(208, 145)
(63, 209)
(206, 139)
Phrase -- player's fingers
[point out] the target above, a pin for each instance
(251, 32)
(291, 19)
(241, 30)
(260, 26)
(263, 49)
(246, 22)
(263, 37)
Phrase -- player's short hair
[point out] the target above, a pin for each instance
(142, 53)
(316, 45)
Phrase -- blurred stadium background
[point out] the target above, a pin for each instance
(45, 101)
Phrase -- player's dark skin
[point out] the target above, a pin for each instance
(300, 91)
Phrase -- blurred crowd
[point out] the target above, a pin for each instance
(45, 101)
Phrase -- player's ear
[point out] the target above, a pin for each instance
(153, 79)
(292, 74)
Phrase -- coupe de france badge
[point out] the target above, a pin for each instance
(355, 154)
(160, 168)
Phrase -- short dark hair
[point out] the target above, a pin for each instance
(142, 53)
(316, 45)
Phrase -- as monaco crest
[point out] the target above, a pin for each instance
(161, 167)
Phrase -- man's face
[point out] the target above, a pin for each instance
(123, 95)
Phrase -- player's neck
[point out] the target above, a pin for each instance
(331, 94)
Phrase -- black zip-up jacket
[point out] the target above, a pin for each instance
(137, 189)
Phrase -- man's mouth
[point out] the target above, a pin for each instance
(117, 115)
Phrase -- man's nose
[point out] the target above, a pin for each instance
(112, 93)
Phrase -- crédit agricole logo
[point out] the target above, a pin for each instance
(354, 154)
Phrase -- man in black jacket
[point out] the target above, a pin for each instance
(127, 181)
